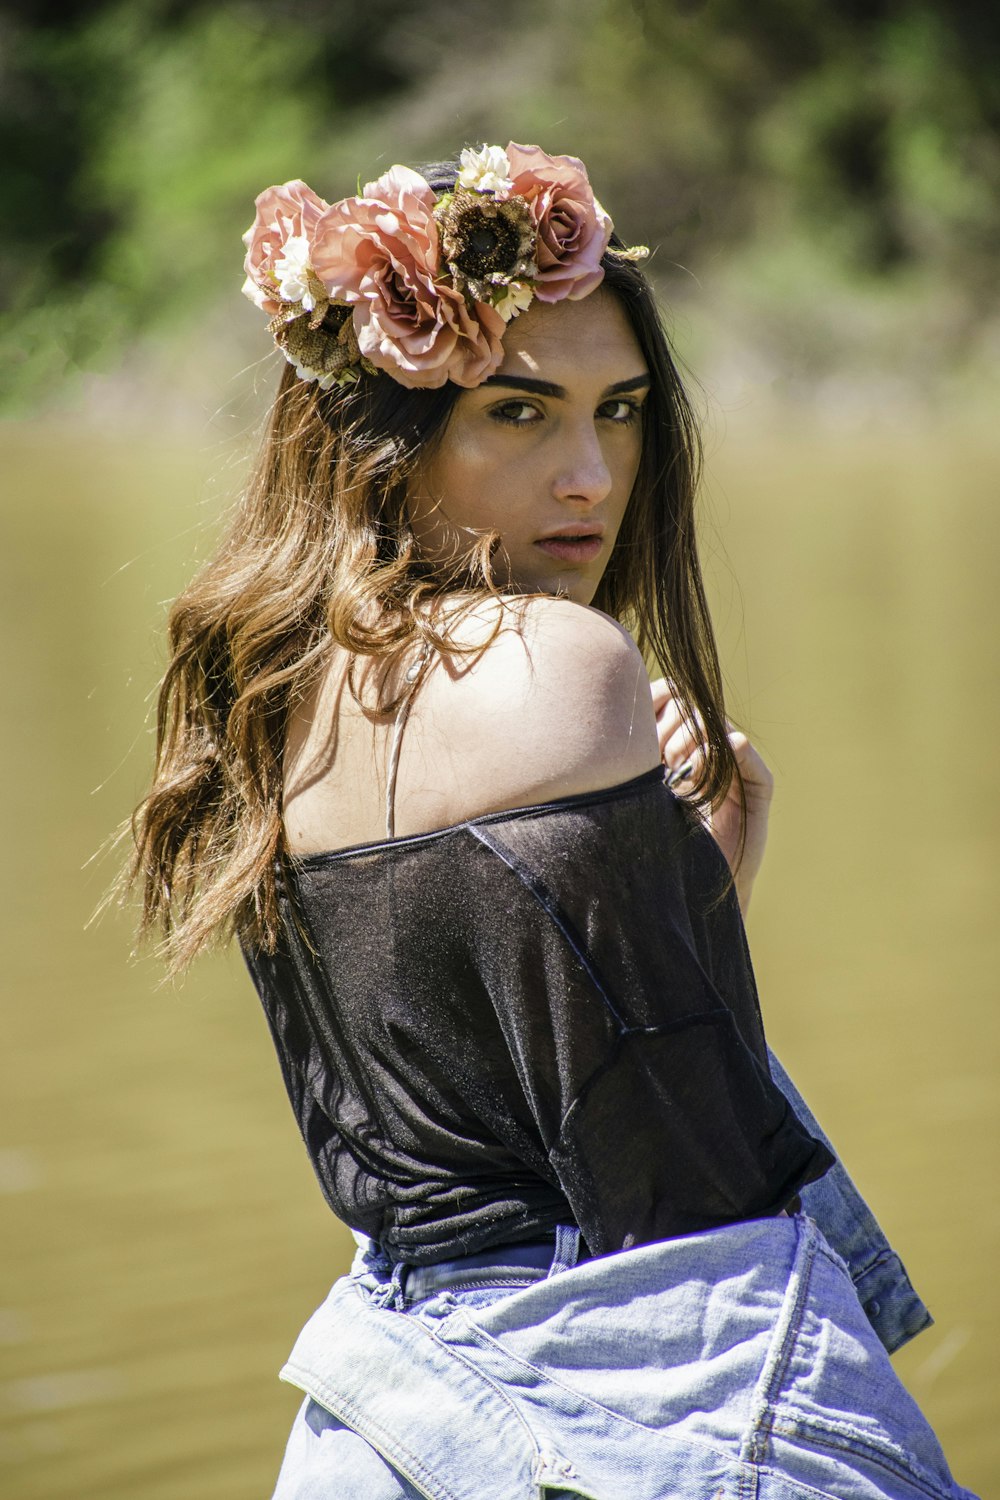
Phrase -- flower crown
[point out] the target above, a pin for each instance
(418, 283)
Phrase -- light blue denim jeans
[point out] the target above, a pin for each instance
(736, 1364)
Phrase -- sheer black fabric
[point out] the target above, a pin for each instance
(532, 1017)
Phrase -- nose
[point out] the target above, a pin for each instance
(582, 475)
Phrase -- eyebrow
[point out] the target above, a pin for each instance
(547, 388)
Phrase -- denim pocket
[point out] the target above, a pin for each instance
(835, 1401)
(471, 1296)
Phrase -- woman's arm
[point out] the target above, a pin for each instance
(680, 746)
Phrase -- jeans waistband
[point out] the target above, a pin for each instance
(500, 1265)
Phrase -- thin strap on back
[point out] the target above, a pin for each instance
(412, 677)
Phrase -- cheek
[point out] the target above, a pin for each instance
(456, 471)
(454, 499)
(625, 467)
(472, 482)
(634, 450)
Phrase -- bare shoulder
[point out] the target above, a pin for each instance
(557, 703)
(540, 631)
(566, 665)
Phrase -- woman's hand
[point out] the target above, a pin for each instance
(681, 746)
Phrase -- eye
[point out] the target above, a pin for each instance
(516, 413)
(621, 411)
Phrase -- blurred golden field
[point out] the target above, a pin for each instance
(821, 187)
(163, 1236)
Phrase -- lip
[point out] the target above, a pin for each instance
(579, 542)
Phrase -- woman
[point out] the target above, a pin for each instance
(502, 953)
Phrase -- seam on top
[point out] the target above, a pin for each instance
(553, 910)
(655, 776)
(611, 1060)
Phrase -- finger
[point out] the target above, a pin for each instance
(669, 723)
(681, 744)
(666, 697)
(754, 771)
(685, 770)
(676, 718)
(669, 719)
(680, 778)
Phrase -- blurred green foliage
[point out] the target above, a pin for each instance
(862, 138)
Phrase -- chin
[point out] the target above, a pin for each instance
(568, 584)
(580, 590)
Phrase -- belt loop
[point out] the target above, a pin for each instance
(390, 1293)
(369, 1257)
(567, 1249)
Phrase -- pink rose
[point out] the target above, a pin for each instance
(573, 229)
(282, 213)
(380, 252)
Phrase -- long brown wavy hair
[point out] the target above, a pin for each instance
(320, 552)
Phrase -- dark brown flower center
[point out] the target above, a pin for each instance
(486, 241)
(485, 245)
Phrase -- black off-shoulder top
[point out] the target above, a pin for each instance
(530, 1018)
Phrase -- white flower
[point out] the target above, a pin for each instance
(516, 298)
(486, 170)
(293, 273)
(307, 373)
(256, 294)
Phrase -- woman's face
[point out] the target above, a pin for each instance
(545, 452)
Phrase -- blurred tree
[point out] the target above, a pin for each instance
(133, 136)
(134, 133)
(877, 121)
